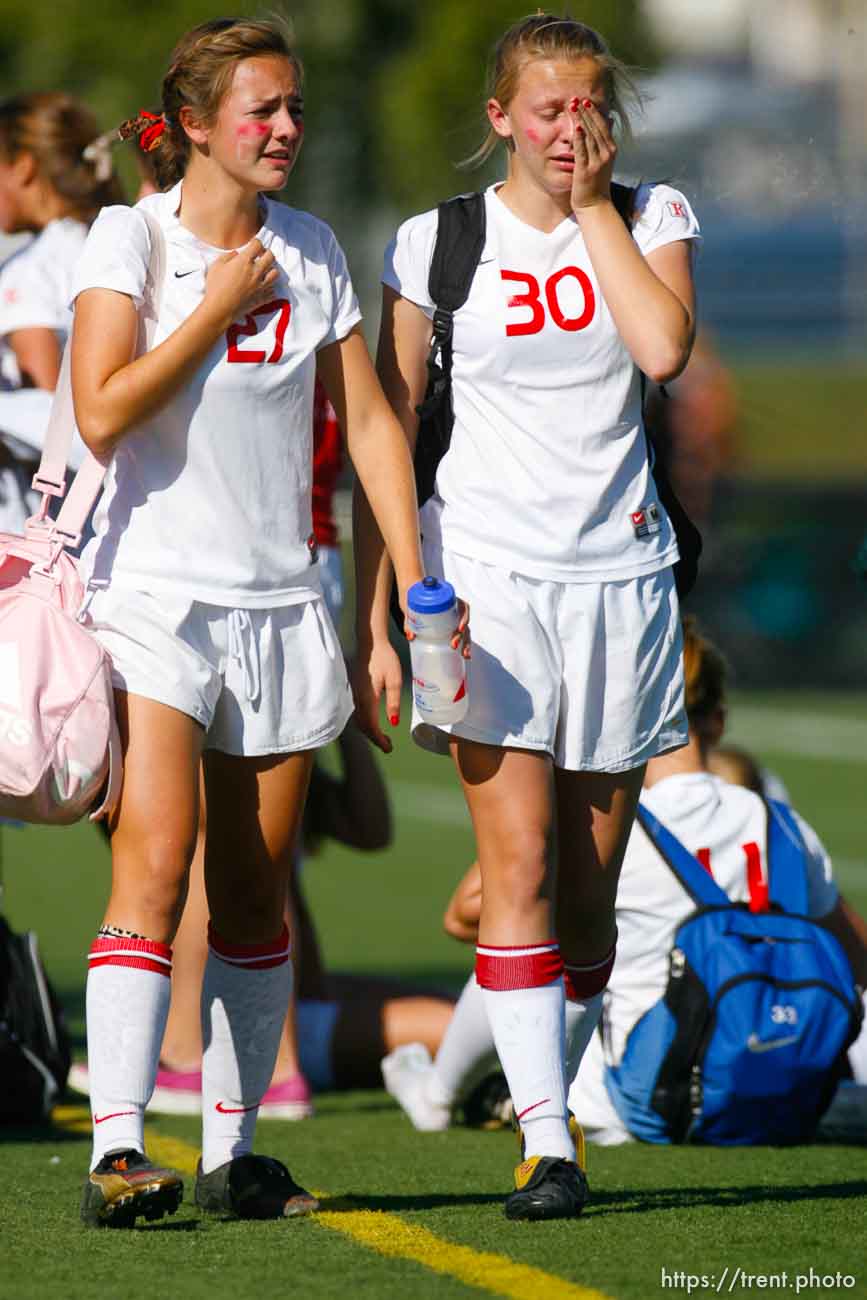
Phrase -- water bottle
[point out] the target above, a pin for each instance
(439, 672)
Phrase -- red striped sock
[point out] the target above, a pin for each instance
(528, 967)
(245, 995)
(128, 990)
(585, 981)
(136, 954)
(523, 992)
(250, 956)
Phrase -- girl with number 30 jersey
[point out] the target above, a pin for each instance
(203, 586)
(545, 517)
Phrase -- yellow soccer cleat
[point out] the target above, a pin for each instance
(124, 1186)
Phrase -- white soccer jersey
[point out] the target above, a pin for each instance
(725, 826)
(35, 286)
(547, 472)
(211, 496)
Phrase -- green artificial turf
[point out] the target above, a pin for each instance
(689, 1211)
(686, 1210)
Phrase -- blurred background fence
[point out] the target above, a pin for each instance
(757, 109)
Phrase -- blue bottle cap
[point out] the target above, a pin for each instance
(431, 596)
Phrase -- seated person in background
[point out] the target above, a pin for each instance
(465, 1074)
(713, 819)
(347, 1022)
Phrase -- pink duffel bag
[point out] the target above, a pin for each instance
(59, 746)
(60, 753)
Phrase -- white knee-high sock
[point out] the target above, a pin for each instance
(523, 992)
(128, 991)
(245, 995)
(585, 985)
(467, 1051)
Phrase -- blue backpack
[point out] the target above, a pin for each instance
(749, 1040)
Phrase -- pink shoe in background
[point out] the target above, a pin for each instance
(291, 1099)
(177, 1092)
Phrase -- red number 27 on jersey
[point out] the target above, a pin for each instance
(250, 327)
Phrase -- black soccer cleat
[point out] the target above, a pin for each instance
(125, 1186)
(489, 1105)
(253, 1187)
(547, 1187)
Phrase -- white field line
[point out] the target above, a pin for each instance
(439, 806)
(802, 735)
(765, 730)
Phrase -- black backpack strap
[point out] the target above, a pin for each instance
(623, 198)
(458, 248)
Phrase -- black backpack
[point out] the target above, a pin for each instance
(34, 1043)
(458, 248)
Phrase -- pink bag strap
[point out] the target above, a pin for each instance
(50, 478)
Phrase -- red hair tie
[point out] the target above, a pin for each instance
(150, 137)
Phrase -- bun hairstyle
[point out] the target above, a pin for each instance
(200, 73)
(705, 672)
(55, 129)
(547, 36)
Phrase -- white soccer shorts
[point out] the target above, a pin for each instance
(590, 673)
(260, 681)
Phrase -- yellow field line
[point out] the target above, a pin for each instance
(389, 1235)
(386, 1234)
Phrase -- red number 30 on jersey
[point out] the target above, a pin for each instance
(532, 300)
(250, 327)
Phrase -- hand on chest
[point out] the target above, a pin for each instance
(265, 340)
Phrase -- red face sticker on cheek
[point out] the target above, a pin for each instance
(248, 135)
(532, 135)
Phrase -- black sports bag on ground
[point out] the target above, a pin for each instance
(34, 1044)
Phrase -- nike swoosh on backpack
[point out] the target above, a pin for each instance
(756, 1044)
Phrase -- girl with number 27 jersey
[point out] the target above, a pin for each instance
(203, 587)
